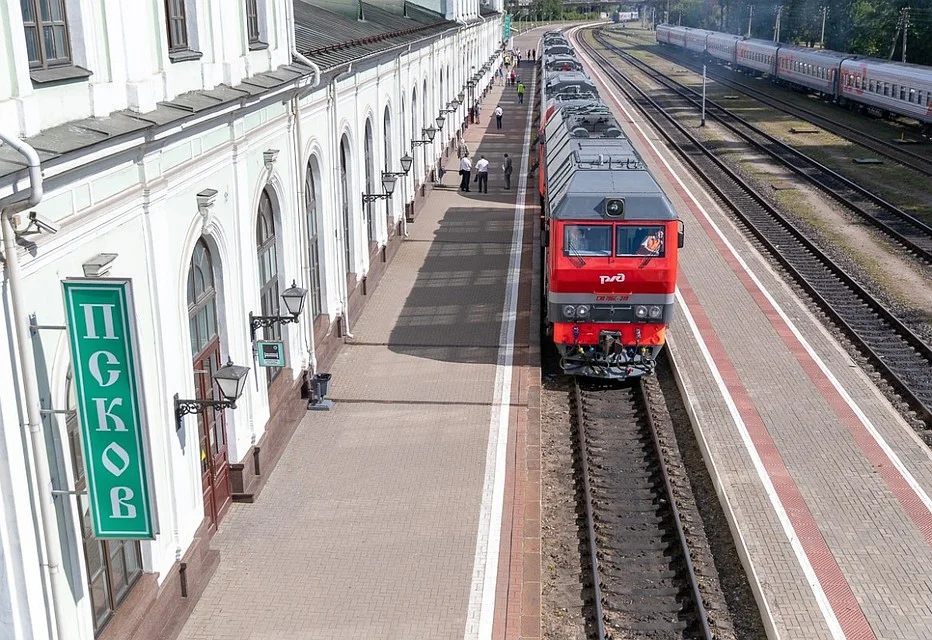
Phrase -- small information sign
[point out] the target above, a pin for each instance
(507, 27)
(271, 353)
(105, 352)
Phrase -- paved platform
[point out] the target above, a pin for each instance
(825, 486)
(395, 515)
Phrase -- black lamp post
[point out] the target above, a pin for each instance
(231, 379)
(294, 297)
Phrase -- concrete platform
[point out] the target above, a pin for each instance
(826, 487)
(395, 515)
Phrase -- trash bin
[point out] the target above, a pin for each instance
(321, 385)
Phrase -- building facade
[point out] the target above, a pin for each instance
(191, 147)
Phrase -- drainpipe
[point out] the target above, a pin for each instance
(335, 150)
(299, 174)
(61, 593)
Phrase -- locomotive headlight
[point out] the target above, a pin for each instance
(582, 311)
(569, 311)
(654, 312)
(640, 312)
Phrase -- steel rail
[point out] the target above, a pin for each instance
(680, 532)
(917, 236)
(880, 340)
(590, 520)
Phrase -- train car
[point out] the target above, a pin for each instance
(810, 68)
(612, 240)
(889, 87)
(695, 40)
(758, 55)
(662, 33)
(676, 36)
(562, 63)
(722, 46)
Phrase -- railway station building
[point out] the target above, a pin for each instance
(198, 160)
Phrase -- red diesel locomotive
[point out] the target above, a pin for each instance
(611, 238)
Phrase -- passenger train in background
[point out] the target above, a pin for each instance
(611, 236)
(851, 80)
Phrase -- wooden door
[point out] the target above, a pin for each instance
(215, 464)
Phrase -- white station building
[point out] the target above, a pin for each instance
(211, 153)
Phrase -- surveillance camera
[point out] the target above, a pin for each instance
(44, 224)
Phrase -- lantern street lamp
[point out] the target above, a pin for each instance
(294, 297)
(460, 97)
(430, 132)
(231, 379)
(440, 119)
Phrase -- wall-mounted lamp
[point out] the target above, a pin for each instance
(430, 132)
(460, 97)
(388, 184)
(269, 157)
(294, 297)
(440, 120)
(231, 379)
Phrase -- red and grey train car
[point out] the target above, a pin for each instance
(863, 82)
(611, 236)
(612, 240)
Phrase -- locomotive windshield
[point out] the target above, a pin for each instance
(639, 241)
(587, 240)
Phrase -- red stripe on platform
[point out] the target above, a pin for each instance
(836, 588)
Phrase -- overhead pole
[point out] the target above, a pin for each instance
(824, 14)
(896, 36)
(776, 26)
(905, 29)
(750, 17)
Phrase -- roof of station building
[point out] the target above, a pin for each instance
(328, 36)
(334, 34)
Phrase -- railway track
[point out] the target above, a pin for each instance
(909, 231)
(898, 353)
(643, 580)
(892, 151)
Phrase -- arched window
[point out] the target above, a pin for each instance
(268, 271)
(369, 160)
(313, 246)
(202, 304)
(113, 566)
(344, 194)
(387, 139)
(205, 350)
(415, 135)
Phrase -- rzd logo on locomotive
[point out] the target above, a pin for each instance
(618, 277)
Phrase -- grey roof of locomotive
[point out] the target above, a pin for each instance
(589, 161)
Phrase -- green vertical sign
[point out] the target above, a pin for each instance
(507, 28)
(104, 352)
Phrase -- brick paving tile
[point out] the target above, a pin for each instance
(367, 528)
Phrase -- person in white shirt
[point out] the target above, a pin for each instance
(499, 112)
(482, 174)
(465, 170)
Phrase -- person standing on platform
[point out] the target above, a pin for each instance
(482, 174)
(465, 171)
(506, 167)
(520, 93)
(498, 116)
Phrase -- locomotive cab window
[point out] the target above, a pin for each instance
(640, 241)
(587, 240)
